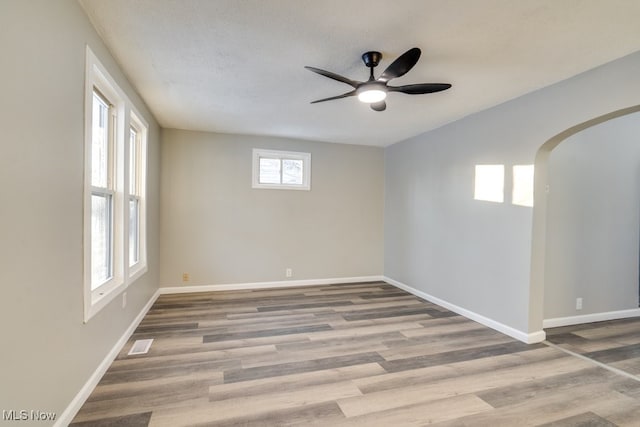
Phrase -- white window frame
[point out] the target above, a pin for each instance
(106, 191)
(259, 153)
(140, 194)
(123, 116)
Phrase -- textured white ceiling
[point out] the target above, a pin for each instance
(236, 66)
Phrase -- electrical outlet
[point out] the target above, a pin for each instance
(124, 299)
(185, 277)
(578, 303)
(288, 272)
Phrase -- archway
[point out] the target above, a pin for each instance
(539, 226)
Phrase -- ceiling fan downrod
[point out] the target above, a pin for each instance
(371, 59)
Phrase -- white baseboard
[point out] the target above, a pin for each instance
(590, 318)
(72, 409)
(266, 285)
(528, 338)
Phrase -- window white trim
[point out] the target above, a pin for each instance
(140, 125)
(259, 153)
(98, 78)
(123, 116)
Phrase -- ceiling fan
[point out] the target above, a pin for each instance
(374, 91)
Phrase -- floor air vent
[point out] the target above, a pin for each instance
(140, 347)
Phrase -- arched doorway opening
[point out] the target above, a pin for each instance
(540, 213)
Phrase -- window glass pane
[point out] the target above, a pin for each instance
(133, 161)
(292, 171)
(134, 231)
(269, 171)
(99, 142)
(100, 239)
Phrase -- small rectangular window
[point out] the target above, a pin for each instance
(286, 170)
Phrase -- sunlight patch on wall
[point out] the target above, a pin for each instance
(489, 183)
(522, 185)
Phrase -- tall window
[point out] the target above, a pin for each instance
(102, 190)
(137, 186)
(281, 170)
(115, 185)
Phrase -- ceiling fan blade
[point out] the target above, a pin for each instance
(379, 106)
(344, 95)
(334, 76)
(419, 89)
(401, 66)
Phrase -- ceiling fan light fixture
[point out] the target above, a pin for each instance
(370, 96)
(374, 91)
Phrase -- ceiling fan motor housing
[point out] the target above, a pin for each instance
(371, 59)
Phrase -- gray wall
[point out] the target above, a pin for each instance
(473, 254)
(477, 255)
(593, 220)
(221, 231)
(48, 353)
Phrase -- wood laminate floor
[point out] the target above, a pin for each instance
(363, 354)
(615, 343)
